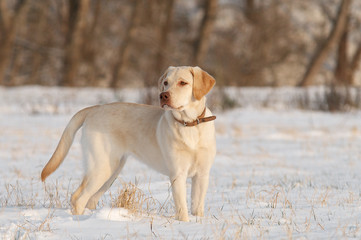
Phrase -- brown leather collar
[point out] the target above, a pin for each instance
(200, 119)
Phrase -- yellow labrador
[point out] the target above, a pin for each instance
(177, 140)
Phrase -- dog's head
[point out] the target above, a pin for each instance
(182, 86)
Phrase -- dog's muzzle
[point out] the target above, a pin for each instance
(164, 98)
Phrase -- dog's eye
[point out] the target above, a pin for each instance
(165, 83)
(182, 83)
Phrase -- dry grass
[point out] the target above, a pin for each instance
(56, 196)
(129, 197)
(14, 196)
(272, 205)
(41, 226)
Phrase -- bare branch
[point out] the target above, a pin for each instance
(324, 49)
(325, 7)
(74, 41)
(201, 45)
(124, 47)
(163, 35)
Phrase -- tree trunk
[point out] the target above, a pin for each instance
(124, 46)
(354, 64)
(150, 79)
(202, 43)
(250, 11)
(90, 46)
(324, 49)
(342, 67)
(8, 27)
(346, 66)
(78, 10)
(163, 36)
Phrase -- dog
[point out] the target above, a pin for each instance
(176, 139)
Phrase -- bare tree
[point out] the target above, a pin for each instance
(250, 11)
(342, 67)
(124, 46)
(37, 56)
(202, 43)
(324, 49)
(256, 45)
(163, 35)
(346, 64)
(355, 62)
(78, 10)
(77, 42)
(90, 47)
(8, 27)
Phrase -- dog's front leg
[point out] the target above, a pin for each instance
(179, 192)
(204, 160)
(199, 190)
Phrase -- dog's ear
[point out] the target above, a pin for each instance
(202, 82)
(160, 86)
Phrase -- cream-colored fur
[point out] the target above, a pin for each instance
(151, 134)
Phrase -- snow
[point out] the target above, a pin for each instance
(279, 173)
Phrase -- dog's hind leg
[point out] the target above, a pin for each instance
(100, 168)
(93, 201)
(95, 180)
(76, 194)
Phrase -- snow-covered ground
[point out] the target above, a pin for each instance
(279, 173)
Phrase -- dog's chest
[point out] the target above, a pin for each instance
(189, 136)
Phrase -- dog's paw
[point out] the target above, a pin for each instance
(198, 212)
(91, 205)
(182, 217)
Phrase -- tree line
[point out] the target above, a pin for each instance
(117, 43)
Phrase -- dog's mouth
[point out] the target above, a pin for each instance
(169, 107)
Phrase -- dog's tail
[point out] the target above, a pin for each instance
(65, 142)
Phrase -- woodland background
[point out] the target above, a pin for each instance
(129, 43)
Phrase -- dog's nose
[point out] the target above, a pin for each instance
(164, 96)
